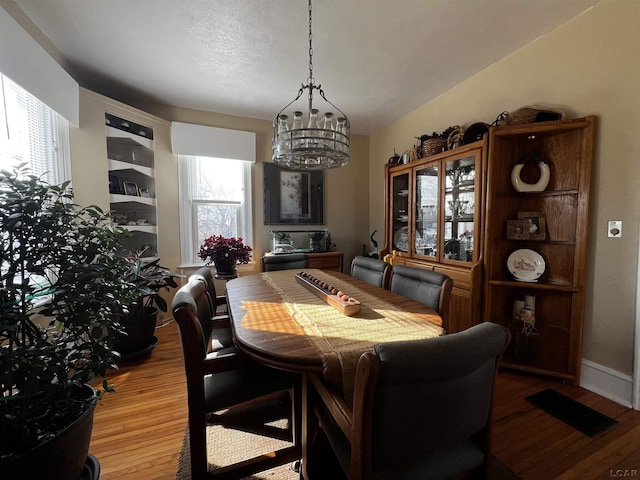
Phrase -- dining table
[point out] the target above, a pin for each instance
(279, 322)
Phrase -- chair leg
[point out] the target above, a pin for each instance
(198, 449)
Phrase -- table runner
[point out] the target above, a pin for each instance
(340, 339)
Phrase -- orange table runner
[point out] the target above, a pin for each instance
(340, 339)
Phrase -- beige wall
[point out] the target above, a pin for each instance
(587, 66)
(346, 189)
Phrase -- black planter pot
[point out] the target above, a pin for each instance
(62, 457)
(225, 267)
(140, 339)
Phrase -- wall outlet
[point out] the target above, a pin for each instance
(614, 229)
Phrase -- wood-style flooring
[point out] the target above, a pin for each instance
(138, 431)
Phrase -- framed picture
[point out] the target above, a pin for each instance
(144, 192)
(114, 185)
(130, 188)
(518, 229)
(537, 224)
(292, 196)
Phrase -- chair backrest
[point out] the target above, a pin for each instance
(372, 270)
(433, 289)
(204, 274)
(428, 396)
(191, 309)
(285, 261)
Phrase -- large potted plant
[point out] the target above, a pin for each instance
(65, 257)
(147, 278)
(225, 253)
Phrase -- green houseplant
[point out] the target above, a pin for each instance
(147, 278)
(67, 256)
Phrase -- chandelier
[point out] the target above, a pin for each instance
(323, 143)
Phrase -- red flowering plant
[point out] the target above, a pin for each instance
(232, 250)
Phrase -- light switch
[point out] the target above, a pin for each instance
(614, 228)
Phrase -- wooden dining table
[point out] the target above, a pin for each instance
(280, 323)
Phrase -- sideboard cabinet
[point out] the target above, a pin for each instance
(536, 235)
(434, 209)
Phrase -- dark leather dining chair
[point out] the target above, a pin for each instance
(218, 302)
(227, 387)
(422, 409)
(430, 288)
(219, 329)
(285, 261)
(372, 270)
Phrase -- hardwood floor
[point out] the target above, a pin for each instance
(138, 431)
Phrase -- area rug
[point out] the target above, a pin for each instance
(579, 416)
(226, 446)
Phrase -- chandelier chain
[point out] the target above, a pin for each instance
(319, 146)
(311, 81)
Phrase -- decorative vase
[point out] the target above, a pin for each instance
(225, 267)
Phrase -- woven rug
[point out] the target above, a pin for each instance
(225, 446)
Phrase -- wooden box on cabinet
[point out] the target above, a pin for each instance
(434, 219)
(566, 147)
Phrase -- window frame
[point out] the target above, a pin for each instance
(53, 158)
(188, 209)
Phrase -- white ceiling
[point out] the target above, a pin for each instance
(375, 59)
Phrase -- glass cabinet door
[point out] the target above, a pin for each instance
(400, 212)
(459, 208)
(426, 215)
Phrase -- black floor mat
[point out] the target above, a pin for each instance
(571, 412)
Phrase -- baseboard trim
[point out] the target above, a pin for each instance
(609, 383)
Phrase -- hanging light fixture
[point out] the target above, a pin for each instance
(323, 142)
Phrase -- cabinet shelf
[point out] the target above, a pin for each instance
(131, 200)
(120, 136)
(130, 162)
(537, 194)
(130, 169)
(141, 228)
(560, 287)
(559, 296)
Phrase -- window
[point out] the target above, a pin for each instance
(32, 133)
(215, 199)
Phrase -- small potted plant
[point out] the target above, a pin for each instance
(138, 319)
(61, 278)
(225, 254)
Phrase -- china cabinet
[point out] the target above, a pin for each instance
(536, 235)
(434, 220)
(132, 192)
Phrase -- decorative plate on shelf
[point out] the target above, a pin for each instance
(526, 265)
(401, 239)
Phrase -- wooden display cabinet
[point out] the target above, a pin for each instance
(434, 220)
(566, 147)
